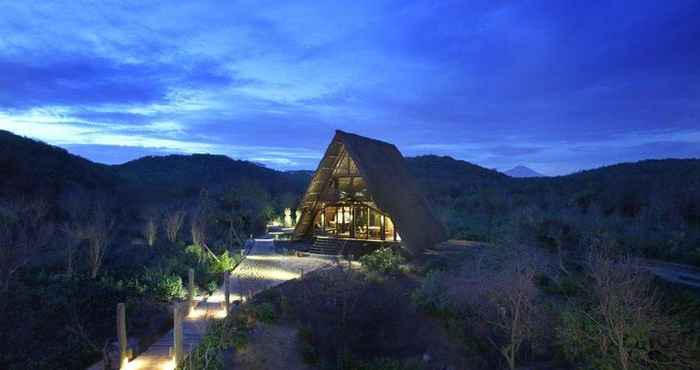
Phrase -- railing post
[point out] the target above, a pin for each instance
(121, 334)
(190, 291)
(177, 334)
(227, 291)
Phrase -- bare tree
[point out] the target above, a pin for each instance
(232, 235)
(99, 235)
(150, 231)
(621, 323)
(514, 299)
(73, 234)
(500, 290)
(173, 223)
(23, 231)
(97, 230)
(198, 227)
(627, 304)
(199, 223)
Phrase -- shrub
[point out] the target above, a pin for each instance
(432, 294)
(226, 262)
(264, 312)
(164, 287)
(619, 323)
(196, 253)
(232, 332)
(208, 270)
(383, 260)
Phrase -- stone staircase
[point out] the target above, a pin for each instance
(327, 246)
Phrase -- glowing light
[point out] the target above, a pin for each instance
(151, 363)
(266, 258)
(270, 274)
(167, 365)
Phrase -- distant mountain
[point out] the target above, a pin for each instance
(522, 171)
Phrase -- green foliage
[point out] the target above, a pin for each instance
(196, 253)
(163, 287)
(383, 260)
(229, 333)
(619, 322)
(208, 270)
(579, 333)
(222, 335)
(431, 295)
(225, 262)
(264, 312)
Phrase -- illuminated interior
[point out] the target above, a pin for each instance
(347, 209)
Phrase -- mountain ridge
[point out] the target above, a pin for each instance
(523, 171)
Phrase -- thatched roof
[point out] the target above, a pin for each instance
(388, 181)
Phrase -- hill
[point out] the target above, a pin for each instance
(32, 168)
(522, 171)
(182, 176)
(649, 208)
(660, 199)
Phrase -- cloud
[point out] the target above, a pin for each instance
(497, 83)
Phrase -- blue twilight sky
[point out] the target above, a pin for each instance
(556, 85)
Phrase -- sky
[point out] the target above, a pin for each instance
(558, 86)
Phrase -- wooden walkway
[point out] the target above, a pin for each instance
(260, 270)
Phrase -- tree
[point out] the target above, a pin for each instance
(198, 227)
(24, 229)
(619, 323)
(199, 223)
(172, 224)
(504, 300)
(73, 237)
(97, 230)
(150, 231)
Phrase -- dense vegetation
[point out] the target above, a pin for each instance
(650, 208)
(484, 307)
(78, 237)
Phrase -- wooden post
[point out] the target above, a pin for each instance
(240, 290)
(121, 334)
(354, 221)
(382, 229)
(301, 273)
(177, 333)
(227, 292)
(190, 291)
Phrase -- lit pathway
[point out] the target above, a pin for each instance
(260, 270)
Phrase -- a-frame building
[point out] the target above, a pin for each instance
(362, 191)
